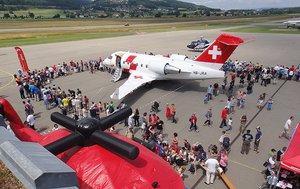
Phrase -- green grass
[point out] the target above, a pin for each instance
(59, 38)
(36, 23)
(265, 29)
(17, 38)
(45, 13)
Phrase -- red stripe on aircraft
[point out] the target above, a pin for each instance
(132, 66)
(130, 58)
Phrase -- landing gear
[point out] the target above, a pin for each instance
(148, 85)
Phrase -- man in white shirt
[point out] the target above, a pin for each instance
(212, 165)
(286, 128)
(31, 121)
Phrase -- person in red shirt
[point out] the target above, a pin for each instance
(168, 112)
(155, 119)
(233, 78)
(223, 117)
(193, 121)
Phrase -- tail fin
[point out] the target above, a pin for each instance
(219, 51)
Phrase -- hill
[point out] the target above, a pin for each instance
(144, 4)
(23, 4)
(97, 4)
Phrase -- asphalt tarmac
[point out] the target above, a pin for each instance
(268, 49)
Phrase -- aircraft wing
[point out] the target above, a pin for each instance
(134, 81)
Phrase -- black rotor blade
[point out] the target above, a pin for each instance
(2, 109)
(65, 143)
(150, 146)
(115, 145)
(115, 118)
(2, 122)
(64, 121)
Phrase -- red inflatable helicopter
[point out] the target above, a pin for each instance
(100, 159)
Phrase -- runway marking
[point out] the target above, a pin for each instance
(151, 103)
(100, 90)
(12, 79)
(244, 165)
(239, 134)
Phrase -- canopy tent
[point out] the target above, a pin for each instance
(291, 158)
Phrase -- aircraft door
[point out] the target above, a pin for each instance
(118, 61)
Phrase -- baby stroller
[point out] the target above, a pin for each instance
(154, 107)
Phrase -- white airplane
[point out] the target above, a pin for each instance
(292, 24)
(145, 68)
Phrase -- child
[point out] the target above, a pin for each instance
(205, 99)
(270, 104)
(229, 124)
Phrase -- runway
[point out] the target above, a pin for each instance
(267, 49)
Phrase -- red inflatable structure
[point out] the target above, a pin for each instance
(98, 167)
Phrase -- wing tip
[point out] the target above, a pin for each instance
(115, 95)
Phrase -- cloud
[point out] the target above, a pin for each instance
(246, 4)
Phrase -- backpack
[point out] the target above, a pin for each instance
(111, 109)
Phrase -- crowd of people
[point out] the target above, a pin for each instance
(36, 86)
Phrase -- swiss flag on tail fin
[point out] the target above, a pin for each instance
(220, 50)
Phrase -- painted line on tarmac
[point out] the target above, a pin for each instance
(158, 99)
(12, 79)
(258, 112)
(239, 134)
(244, 165)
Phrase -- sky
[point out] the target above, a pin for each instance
(246, 4)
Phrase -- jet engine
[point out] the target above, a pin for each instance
(164, 68)
(178, 57)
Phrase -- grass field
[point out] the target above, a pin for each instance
(46, 13)
(16, 38)
(42, 23)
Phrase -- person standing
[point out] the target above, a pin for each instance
(31, 121)
(159, 126)
(208, 117)
(243, 121)
(247, 138)
(286, 128)
(229, 126)
(224, 160)
(175, 141)
(270, 104)
(280, 154)
(223, 117)
(26, 108)
(211, 165)
(257, 139)
(209, 92)
(168, 112)
(193, 123)
(173, 113)
(21, 90)
(136, 117)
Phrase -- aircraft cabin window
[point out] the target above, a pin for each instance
(146, 66)
(141, 65)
